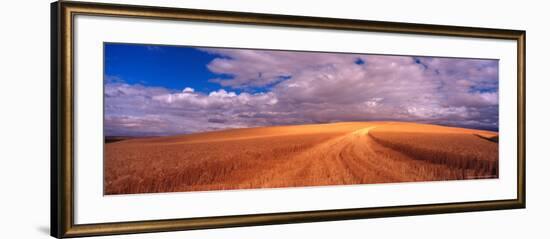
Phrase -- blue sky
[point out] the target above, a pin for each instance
(168, 90)
(172, 67)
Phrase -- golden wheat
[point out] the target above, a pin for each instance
(295, 156)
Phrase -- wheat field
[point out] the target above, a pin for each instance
(298, 156)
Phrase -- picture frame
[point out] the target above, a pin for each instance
(63, 117)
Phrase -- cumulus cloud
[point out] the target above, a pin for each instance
(299, 87)
(188, 90)
(139, 110)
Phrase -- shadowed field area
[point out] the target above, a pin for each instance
(297, 156)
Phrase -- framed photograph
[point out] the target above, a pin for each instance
(173, 119)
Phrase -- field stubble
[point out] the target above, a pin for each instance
(297, 156)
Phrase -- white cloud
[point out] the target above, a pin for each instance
(188, 90)
(317, 87)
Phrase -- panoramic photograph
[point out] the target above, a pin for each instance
(185, 118)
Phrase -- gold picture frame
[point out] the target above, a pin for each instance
(62, 121)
